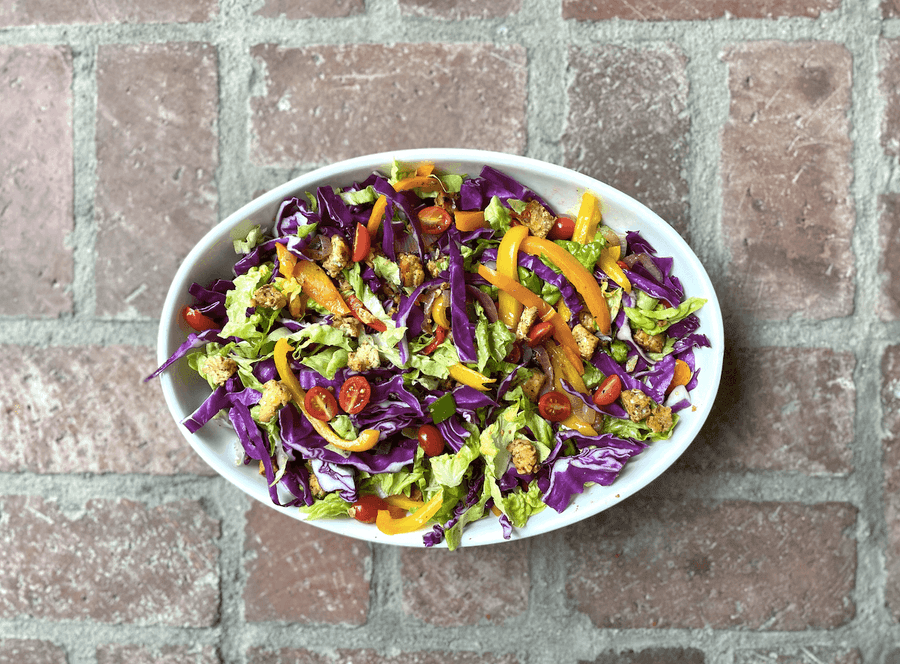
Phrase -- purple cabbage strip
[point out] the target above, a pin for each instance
(545, 273)
(194, 340)
(476, 193)
(436, 534)
(568, 475)
(335, 477)
(255, 446)
(218, 400)
(463, 330)
(455, 435)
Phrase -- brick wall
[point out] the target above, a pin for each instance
(767, 133)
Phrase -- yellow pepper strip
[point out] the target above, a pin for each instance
(376, 215)
(613, 271)
(561, 331)
(391, 526)
(439, 312)
(588, 219)
(365, 441)
(574, 271)
(320, 287)
(470, 377)
(469, 220)
(424, 169)
(286, 260)
(399, 500)
(510, 308)
(558, 362)
(423, 182)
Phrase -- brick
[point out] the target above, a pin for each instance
(36, 180)
(890, 8)
(781, 409)
(679, 10)
(797, 655)
(299, 573)
(30, 651)
(157, 154)
(481, 583)
(888, 305)
(786, 169)
(628, 125)
(327, 103)
(459, 9)
(650, 656)
(299, 656)
(56, 12)
(110, 561)
(86, 410)
(167, 654)
(310, 9)
(733, 565)
(889, 79)
(890, 406)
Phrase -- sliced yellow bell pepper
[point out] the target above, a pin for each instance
(563, 369)
(423, 182)
(561, 331)
(470, 377)
(611, 268)
(574, 271)
(510, 308)
(365, 441)
(407, 524)
(439, 312)
(588, 219)
(376, 215)
(399, 500)
(469, 220)
(424, 169)
(286, 260)
(319, 286)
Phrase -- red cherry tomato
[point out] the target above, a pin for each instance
(440, 333)
(515, 353)
(198, 321)
(431, 440)
(320, 403)
(540, 333)
(366, 508)
(435, 220)
(355, 394)
(359, 311)
(362, 242)
(609, 390)
(563, 229)
(554, 406)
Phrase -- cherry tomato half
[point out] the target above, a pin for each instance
(366, 508)
(198, 321)
(435, 220)
(554, 406)
(362, 242)
(363, 315)
(563, 229)
(540, 333)
(431, 440)
(515, 353)
(355, 394)
(609, 390)
(320, 403)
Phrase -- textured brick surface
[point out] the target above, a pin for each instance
(650, 656)
(890, 404)
(488, 583)
(467, 95)
(890, 88)
(36, 179)
(295, 656)
(87, 411)
(310, 8)
(797, 655)
(627, 124)
(790, 409)
(459, 9)
(157, 155)
(890, 8)
(888, 306)
(659, 10)
(30, 651)
(770, 566)
(299, 573)
(112, 561)
(786, 173)
(51, 12)
(129, 654)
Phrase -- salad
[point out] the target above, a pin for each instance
(424, 349)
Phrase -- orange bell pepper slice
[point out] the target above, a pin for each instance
(407, 524)
(588, 219)
(682, 375)
(469, 220)
(286, 260)
(376, 215)
(509, 307)
(423, 182)
(611, 268)
(424, 169)
(319, 286)
(581, 279)
(365, 441)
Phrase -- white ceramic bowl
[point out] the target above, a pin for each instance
(562, 188)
